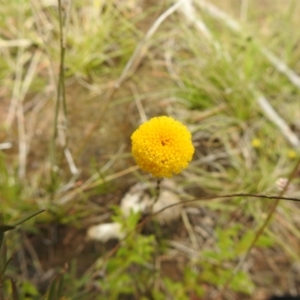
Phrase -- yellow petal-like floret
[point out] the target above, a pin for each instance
(162, 146)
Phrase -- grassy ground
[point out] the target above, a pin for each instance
(66, 118)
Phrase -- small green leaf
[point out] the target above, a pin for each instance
(60, 286)
(51, 294)
(245, 242)
(29, 288)
(264, 241)
(56, 287)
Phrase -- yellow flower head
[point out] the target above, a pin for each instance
(162, 146)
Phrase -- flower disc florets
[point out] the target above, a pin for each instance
(162, 146)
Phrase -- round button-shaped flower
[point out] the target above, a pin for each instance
(162, 146)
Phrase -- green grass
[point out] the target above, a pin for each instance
(210, 85)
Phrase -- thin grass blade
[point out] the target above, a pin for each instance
(29, 217)
(15, 292)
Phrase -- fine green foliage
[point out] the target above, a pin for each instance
(128, 272)
(8, 285)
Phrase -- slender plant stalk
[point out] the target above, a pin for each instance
(61, 86)
(28, 217)
(259, 232)
(148, 218)
(157, 193)
(61, 95)
(157, 190)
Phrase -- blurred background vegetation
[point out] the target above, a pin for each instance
(79, 76)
